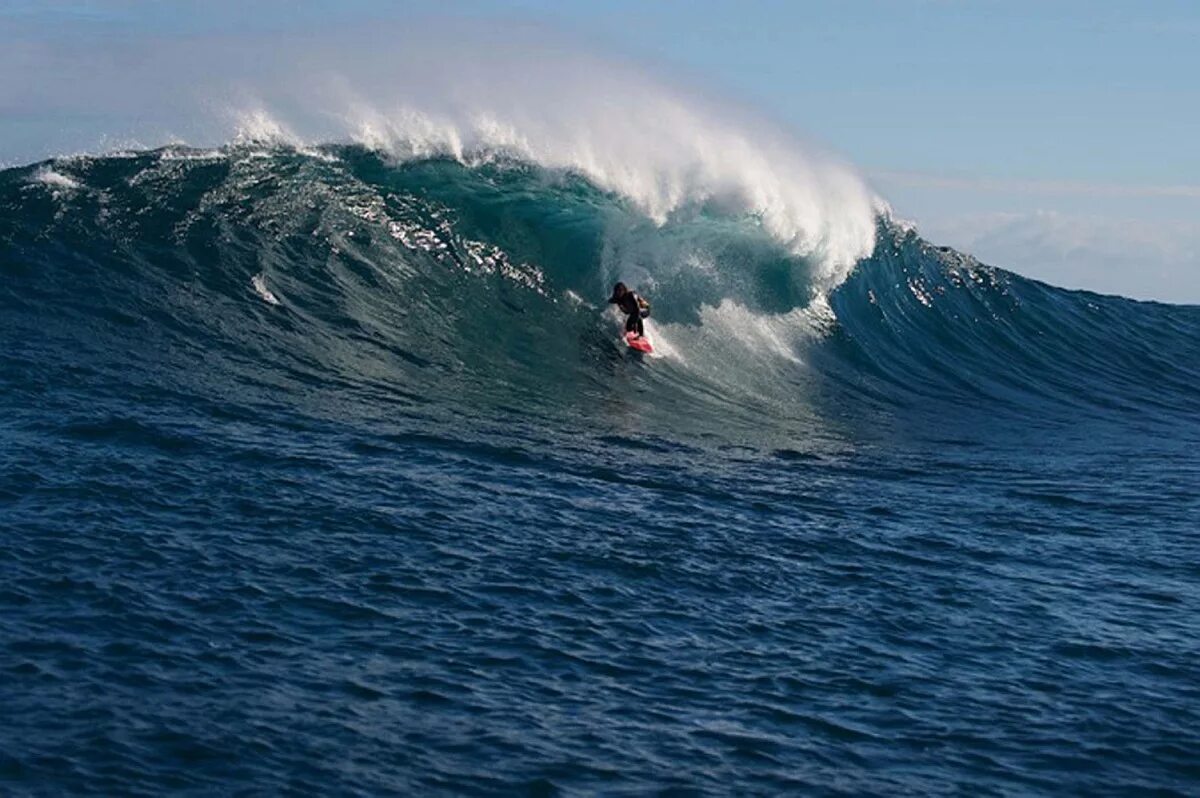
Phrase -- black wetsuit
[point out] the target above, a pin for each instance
(630, 306)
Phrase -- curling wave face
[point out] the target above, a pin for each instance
(438, 275)
(665, 148)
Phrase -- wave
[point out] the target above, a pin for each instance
(266, 271)
(516, 93)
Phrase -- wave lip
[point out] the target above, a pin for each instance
(508, 91)
(665, 157)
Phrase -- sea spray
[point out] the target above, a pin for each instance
(521, 93)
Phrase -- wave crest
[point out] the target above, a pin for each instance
(434, 90)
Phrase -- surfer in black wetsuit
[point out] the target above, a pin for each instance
(633, 306)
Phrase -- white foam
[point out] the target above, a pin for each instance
(256, 126)
(47, 176)
(184, 154)
(259, 283)
(740, 349)
(664, 347)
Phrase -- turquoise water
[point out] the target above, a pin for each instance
(325, 475)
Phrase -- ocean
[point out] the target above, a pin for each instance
(325, 472)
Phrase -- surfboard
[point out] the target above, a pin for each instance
(638, 344)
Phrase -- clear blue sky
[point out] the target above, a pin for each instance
(1054, 137)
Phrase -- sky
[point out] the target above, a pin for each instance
(1056, 138)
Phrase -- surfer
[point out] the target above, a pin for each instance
(634, 306)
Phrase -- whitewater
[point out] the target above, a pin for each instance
(323, 469)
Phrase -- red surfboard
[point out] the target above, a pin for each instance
(637, 344)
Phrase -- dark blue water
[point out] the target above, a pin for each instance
(321, 475)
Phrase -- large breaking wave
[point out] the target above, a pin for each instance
(346, 280)
(520, 94)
